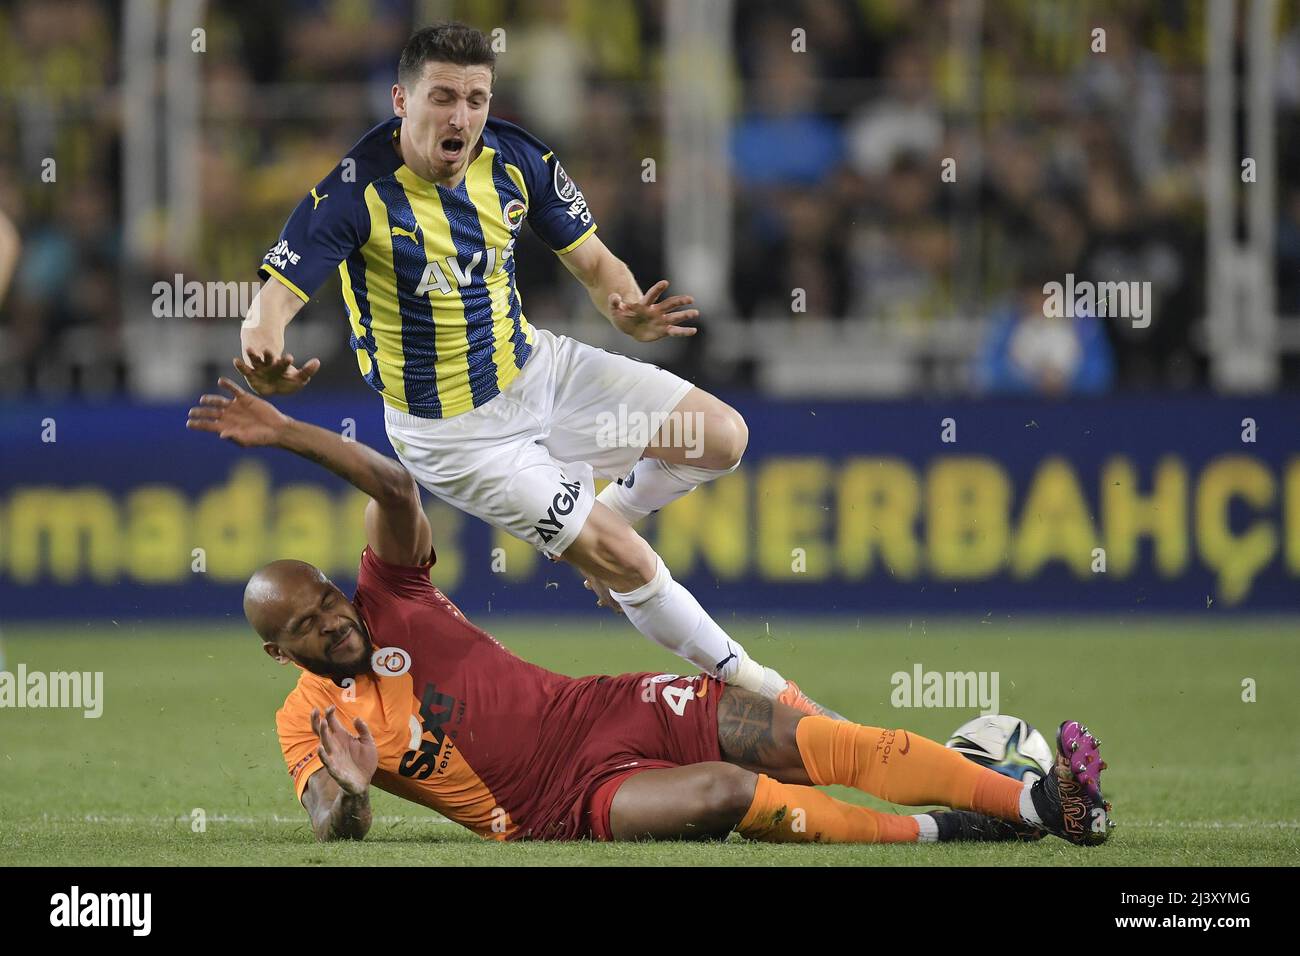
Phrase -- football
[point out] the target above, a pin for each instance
(1009, 745)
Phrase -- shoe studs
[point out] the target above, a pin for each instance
(1074, 745)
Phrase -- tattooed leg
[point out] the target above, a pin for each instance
(784, 748)
(759, 735)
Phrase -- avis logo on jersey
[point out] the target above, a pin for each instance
(436, 277)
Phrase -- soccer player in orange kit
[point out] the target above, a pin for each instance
(446, 716)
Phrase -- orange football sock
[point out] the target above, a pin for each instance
(903, 767)
(789, 813)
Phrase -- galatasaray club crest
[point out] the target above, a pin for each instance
(390, 662)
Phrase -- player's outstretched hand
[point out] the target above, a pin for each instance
(595, 585)
(268, 375)
(647, 320)
(350, 760)
(603, 597)
(242, 418)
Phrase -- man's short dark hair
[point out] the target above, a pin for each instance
(444, 43)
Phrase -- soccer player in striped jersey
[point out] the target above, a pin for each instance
(499, 418)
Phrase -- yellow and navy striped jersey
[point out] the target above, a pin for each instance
(429, 272)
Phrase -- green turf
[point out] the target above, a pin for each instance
(1197, 776)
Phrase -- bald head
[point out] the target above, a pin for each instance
(303, 618)
(276, 592)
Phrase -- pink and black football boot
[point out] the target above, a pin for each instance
(1069, 799)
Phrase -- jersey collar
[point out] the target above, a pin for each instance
(412, 180)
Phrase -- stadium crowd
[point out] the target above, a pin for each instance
(1063, 161)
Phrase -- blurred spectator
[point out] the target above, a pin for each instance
(1028, 353)
(904, 121)
(901, 255)
(10, 247)
(1127, 86)
(1066, 160)
(782, 139)
(542, 75)
(1129, 241)
(1288, 253)
(352, 40)
(790, 237)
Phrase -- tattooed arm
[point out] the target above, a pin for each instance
(759, 734)
(338, 799)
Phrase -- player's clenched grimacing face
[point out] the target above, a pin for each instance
(444, 114)
(308, 621)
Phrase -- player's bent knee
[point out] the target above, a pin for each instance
(725, 794)
(738, 435)
(726, 436)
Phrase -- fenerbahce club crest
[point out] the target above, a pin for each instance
(514, 214)
(390, 662)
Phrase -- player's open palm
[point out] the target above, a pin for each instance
(647, 319)
(350, 760)
(268, 375)
(242, 418)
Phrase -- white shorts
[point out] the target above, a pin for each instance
(527, 460)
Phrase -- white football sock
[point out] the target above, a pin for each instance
(669, 615)
(927, 828)
(654, 484)
(1028, 812)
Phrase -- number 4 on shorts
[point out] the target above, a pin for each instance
(676, 698)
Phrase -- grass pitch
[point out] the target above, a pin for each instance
(1198, 776)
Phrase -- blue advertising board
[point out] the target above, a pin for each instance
(1123, 504)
